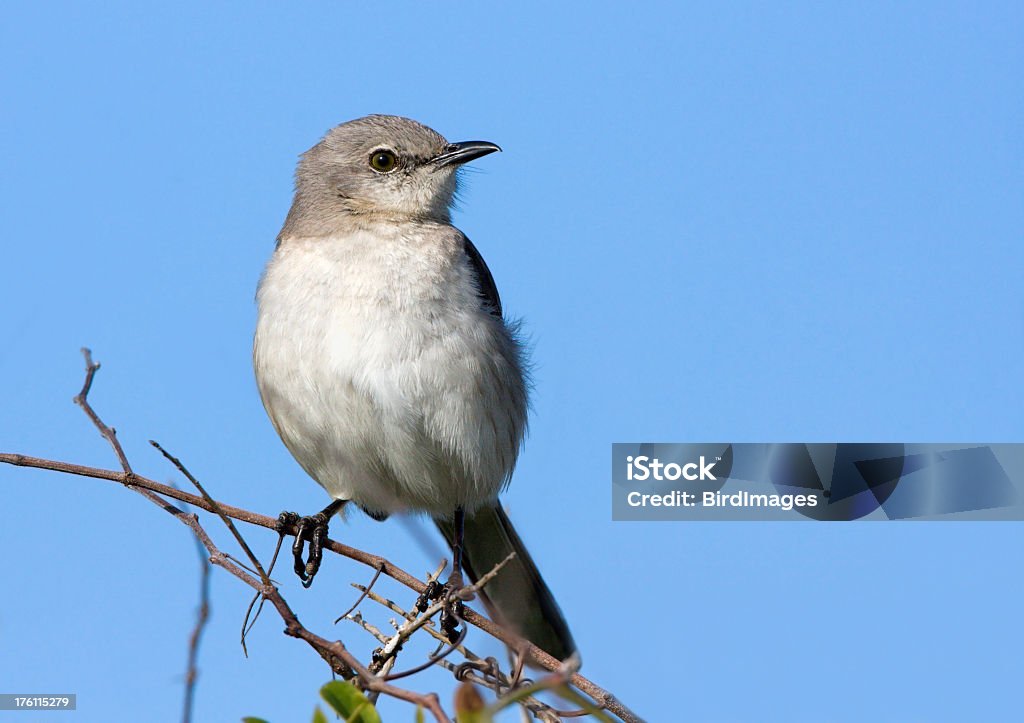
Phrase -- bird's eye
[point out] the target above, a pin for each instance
(383, 160)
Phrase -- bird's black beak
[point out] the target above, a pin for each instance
(463, 152)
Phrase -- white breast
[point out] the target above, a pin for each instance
(383, 374)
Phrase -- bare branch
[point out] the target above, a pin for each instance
(334, 653)
(144, 485)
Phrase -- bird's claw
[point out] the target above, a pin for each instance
(432, 592)
(453, 610)
(312, 529)
(451, 618)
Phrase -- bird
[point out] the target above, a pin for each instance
(385, 362)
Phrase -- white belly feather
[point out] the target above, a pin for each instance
(382, 373)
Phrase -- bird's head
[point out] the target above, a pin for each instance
(380, 166)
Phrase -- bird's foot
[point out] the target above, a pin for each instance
(312, 529)
(453, 610)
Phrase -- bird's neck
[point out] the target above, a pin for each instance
(313, 215)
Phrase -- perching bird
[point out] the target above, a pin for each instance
(385, 364)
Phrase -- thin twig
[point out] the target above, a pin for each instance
(247, 626)
(217, 509)
(81, 399)
(362, 597)
(202, 616)
(368, 627)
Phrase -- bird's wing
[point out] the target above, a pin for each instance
(484, 281)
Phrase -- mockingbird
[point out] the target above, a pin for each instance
(385, 364)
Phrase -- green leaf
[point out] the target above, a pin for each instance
(318, 716)
(349, 702)
(419, 715)
(253, 719)
(474, 716)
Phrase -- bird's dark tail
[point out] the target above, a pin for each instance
(517, 597)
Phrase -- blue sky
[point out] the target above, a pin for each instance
(745, 222)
